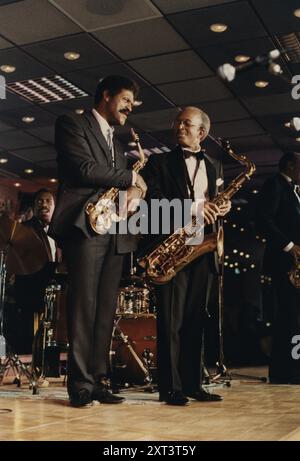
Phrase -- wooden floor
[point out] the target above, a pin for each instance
(251, 410)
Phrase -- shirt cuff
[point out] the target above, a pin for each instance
(288, 247)
(134, 176)
(197, 208)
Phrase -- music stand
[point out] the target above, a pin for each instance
(18, 243)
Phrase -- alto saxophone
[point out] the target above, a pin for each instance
(173, 254)
(294, 273)
(102, 214)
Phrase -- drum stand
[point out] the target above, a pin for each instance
(147, 356)
(11, 360)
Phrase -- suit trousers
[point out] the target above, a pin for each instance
(180, 324)
(94, 271)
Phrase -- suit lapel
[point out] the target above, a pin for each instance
(211, 177)
(97, 134)
(177, 169)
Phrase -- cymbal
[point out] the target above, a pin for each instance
(25, 251)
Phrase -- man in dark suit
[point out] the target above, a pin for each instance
(184, 173)
(278, 218)
(30, 289)
(91, 161)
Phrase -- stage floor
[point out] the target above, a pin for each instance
(251, 410)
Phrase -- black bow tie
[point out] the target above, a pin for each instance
(197, 155)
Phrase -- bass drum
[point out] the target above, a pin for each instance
(134, 350)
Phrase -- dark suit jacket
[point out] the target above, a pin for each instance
(165, 177)
(278, 218)
(30, 289)
(85, 171)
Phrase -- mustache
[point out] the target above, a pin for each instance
(124, 111)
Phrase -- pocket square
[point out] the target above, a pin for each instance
(219, 182)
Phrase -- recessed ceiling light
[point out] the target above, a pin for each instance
(255, 191)
(79, 111)
(287, 124)
(28, 171)
(71, 55)
(28, 119)
(261, 84)
(241, 58)
(297, 13)
(298, 139)
(8, 69)
(218, 27)
(17, 184)
(3, 160)
(53, 180)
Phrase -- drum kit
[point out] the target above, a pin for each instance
(133, 345)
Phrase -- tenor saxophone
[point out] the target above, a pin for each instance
(102, 214)
(173, 254)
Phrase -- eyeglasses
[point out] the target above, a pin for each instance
(185, 123)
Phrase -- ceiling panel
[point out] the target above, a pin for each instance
(17, 139)
(221, 111)
(4, 44)
(95, 14)
(33, 20)
(87, 79)
(240, 18)
(272, 104)
(154, 121)
(193, 91)
(12, 101)
(173, 6)
(37, 154)
(278, 15)
(14, 117)
(45, 133)
(26, 66)
(18, 165)
(144, 38)
(51, 53)
(237, 128)
(171, 67)
(152, 100)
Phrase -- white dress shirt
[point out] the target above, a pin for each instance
(200, 185)
(51, 243)
(108, 132)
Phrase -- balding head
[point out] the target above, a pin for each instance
(191, 127)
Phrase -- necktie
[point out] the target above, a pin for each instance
(198, 155)
(110, 144)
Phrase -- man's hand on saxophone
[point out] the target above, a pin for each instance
(295, 251)
(133, 196)
(212, 211)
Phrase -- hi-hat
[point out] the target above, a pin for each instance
(25, 252)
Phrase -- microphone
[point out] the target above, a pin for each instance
(227, 71)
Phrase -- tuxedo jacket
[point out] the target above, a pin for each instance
(278, 218)
(85, 171)
(165, 175)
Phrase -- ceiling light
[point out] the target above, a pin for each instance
(53, 180)
(17, 184)
(241, 58)
(46, 89)
(218, 27)
(298, 139)
(261, 84)
(3, 160)
(28, 119)
(79, 111)
(137, 103)
(7, 68)
(297, 13)
(255, 191)
(28, 171)
(71, 55)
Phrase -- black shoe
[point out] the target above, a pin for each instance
(104, 395)
(174, 398)
(82, 398)
(203, 396)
